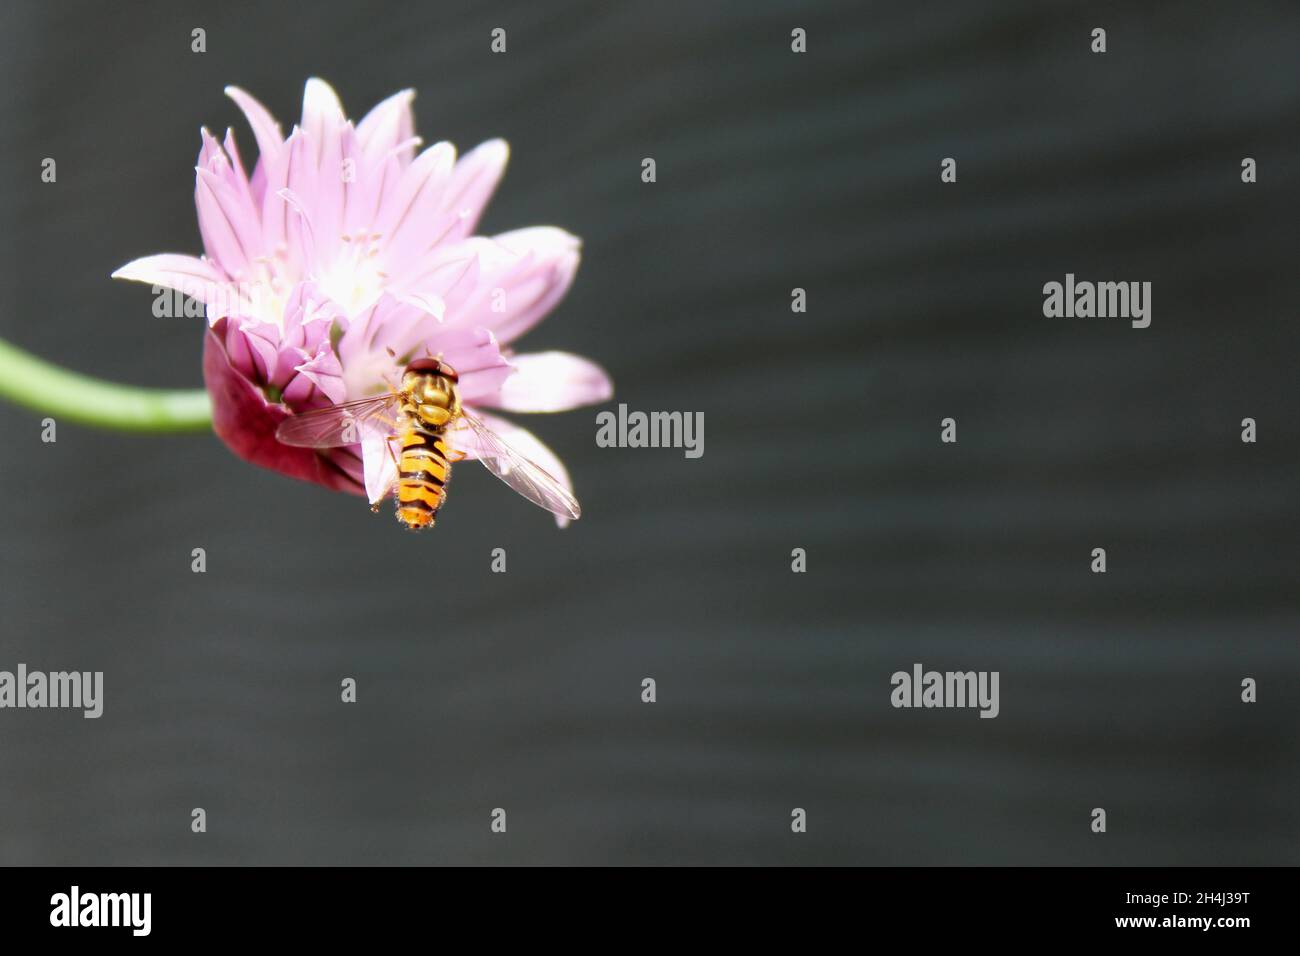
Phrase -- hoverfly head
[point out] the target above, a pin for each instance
(433, 366)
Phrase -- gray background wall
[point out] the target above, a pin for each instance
(822, 431)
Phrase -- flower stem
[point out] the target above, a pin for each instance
(36, 384)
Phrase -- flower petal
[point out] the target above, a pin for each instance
(478, 362)
(531, 447)
(300, 180)
(265, 129)
(451, 273)
(379, 456)
(253, 348)
(230, 230)
(473, 182)
(324, 371)
(188, 274)
(246, 422)
(236, 208)
(415, 220)
(531, 272)
(553, 382)
(322, 113)
(240, 177)
(288, 224)
(387, 126)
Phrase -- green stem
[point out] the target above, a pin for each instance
(42, 387)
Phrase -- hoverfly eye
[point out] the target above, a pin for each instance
(425, 366)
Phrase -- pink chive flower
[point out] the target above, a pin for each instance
(346, 252)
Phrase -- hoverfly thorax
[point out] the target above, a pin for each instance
(428, 392)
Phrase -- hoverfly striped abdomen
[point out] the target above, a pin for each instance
(422, 475)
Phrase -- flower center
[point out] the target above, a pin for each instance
(354, 281)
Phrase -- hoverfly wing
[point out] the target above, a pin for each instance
(337, 425)
(525, 476)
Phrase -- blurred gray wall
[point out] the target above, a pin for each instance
(775, 170)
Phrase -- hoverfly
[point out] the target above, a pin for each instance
(422, 413)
